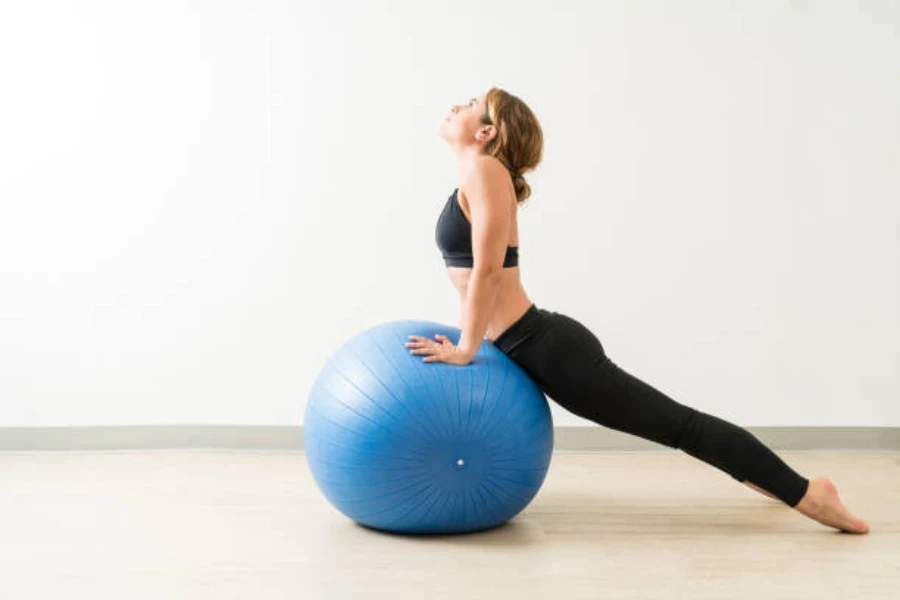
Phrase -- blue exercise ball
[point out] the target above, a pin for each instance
(402, 445)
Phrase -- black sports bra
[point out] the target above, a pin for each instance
(453, 235)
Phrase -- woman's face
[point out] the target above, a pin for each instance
(463, 125)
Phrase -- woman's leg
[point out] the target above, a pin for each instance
(760, 490)
(568, 362)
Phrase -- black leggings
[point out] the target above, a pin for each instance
(569, 364)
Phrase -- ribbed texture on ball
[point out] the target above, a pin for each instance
(402, 445)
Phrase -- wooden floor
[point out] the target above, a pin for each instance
(253, 525)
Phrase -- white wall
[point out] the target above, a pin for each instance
(201, 200)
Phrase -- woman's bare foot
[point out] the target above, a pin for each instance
(823, 504)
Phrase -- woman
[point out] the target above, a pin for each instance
(497, 138)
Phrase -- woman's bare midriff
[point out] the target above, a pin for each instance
(512, 301)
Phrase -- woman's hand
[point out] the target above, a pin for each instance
(441, 351)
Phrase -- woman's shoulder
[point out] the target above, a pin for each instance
(486, 165)
(485, 178)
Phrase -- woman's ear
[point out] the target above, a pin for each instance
(486, 133)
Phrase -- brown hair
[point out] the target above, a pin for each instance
(519, 144)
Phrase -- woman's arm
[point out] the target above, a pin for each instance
(482, 299)
(462, 311)
(487, 189)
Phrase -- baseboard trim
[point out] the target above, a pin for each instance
(566, 439)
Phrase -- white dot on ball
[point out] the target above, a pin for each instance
(460, 462)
